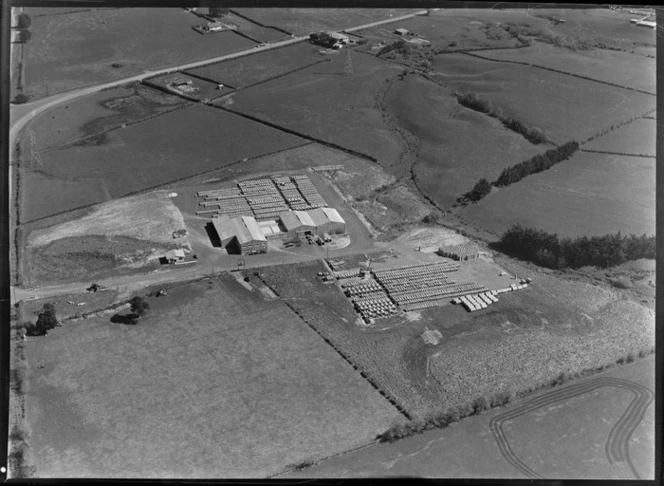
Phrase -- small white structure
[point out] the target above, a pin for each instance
(401, 31)
(174, 256)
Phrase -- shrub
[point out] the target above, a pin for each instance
(480, 404)
(24, 21)
(479, 190)
(630, 357)
(24, 36)
(139, 306)
(20, 98)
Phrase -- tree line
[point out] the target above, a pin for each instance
(548, 250)
(474, 102)
(516, 172)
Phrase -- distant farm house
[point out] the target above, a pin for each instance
(418, 41)
(465, 251)
(401, 31)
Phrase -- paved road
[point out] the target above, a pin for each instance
(20, 115)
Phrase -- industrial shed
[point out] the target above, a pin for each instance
(336, 222)
(297, 223)
(465, 251)
(242, 233)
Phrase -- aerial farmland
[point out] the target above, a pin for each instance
(314, 243)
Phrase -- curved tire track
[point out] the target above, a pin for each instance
(617, 442)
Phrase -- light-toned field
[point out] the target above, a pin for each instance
(636, 138)
(564, 107)
(431, 238)
(151, 217)
(589, 194)
(618, 67)
(570, 443)
(303, 21)
(78, 49)
(215, 381)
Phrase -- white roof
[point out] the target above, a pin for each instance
(175, 254)
(333, 215)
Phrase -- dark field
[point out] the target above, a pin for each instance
(617, 67)
(590, 194)
(323, 102)
(458, 146)
(192, 140)
(134, 38)
(243, 72)
(215, 381)
(564, 107)
(302, 21)
(637, 137)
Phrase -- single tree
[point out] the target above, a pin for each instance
(20, 98)
(139, 306)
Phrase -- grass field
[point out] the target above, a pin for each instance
(617, 67)
(191, 140)
(458, 146)
(302, 21)
(590, 194)
(637, 137)
(564, 107)
(254, 31)
(248, 70)
(132, 38)
(204, 90)
(323, 102)
(571, 442)
(214, 382)
(95, 114)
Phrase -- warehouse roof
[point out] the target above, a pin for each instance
(304, 218)
(333, 215)
(253, 231)
(318, 216)
(224, 226)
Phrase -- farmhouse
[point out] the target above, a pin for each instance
(241, 233)
(401, 31)
(174, 256)
(213, 26)
(465, 251)
(339, 38)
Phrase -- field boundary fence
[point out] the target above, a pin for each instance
(248, 19)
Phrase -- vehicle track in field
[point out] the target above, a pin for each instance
(617, 442)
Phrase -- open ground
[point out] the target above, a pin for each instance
(605, 193)
(215, 381)
(119, 43)
(575, 423)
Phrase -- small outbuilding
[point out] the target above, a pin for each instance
(174, 256)
(401, 31)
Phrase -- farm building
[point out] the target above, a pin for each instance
(418, 41)
(340, 38)
(297, 223)
(270, 229)
(213, 26)
(174, 256)
(241, 233)
(401, 31)
(327, 220)
(465, 251)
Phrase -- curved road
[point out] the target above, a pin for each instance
(20, 115)
(617, 442)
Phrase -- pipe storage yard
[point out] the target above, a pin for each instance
(261, 198)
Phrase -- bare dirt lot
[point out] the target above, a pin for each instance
(236, 383)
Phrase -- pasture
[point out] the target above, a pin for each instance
(303, 21)
(564, 107)
(324, 102)
(99, 45)
(199, 89)
(637, 137)
(574, 431)
(215, 381)
(458, 146)
(261, 34)
(192, 140)
(589, 194)
(617, 67)
(259, 67)
(92, 115)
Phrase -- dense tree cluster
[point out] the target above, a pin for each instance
(46, 320)
(474, 102)
(481, 189)
(394, 46)
(24, 21)
(548, 250)
(538, 163)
